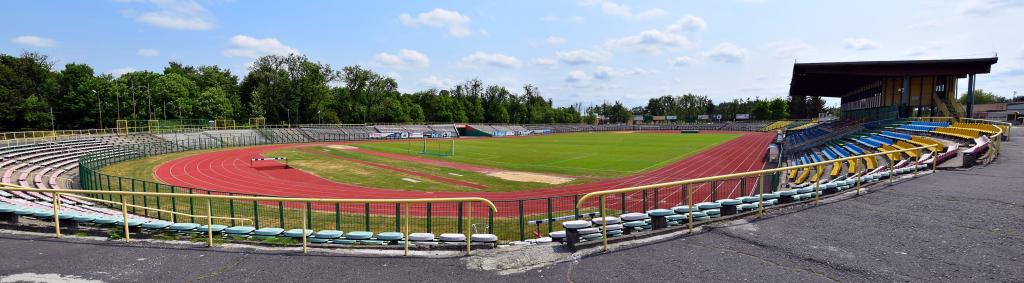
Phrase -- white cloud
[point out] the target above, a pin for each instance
(121, 71)
(35, 41)
(727, 53)
(624, 11)
(246, 46)
(457, 24)
(582, 56)
(651, 41)
(688, 23)
(604, 73)
(681, 61)
(788, 49)
(554, 40)
(176, 14)
(544, 62)
(149, 52)
(435, 82)
(478, 59)
(860, 44)
(987, 7)
(576, 76)
(655, 41)
(404, 59)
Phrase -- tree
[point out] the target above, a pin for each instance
(983, 97)
(779, 109)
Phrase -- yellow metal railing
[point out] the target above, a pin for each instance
(758, 173)
(209, 205)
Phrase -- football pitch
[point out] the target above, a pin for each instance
(600, 155)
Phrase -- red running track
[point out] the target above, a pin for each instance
(228, 171)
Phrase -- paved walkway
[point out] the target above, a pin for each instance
(948, 226)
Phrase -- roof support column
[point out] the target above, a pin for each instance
(905, 98)
(970, 96)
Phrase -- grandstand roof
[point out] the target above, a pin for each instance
(835, 79)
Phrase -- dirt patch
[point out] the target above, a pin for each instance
(624, 132)
(529, 177)
(342, 147)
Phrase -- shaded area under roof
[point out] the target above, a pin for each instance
(835, 79)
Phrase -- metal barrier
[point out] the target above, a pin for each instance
(688, 185)
(209, 216)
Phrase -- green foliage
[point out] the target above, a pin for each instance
(983, 97)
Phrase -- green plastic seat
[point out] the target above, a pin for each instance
(749, 199)
(343, 242)
(702, 218)
(314, 240)
(268, 232)
(359, 235)
(634, 224)
(787, 193)
(747, 206)
(43, 214)
(681, 209)
(390, 236)
(593, 236)
(659, 212)
(157, 224)
(711, 212)
(328, 234)
(372, 242)
(675, 217)
(613, 233)
(83, 218)
(697, 214)
(25, 211)
(182, 227)
(708, 205)
(804, 190)
(216, 228)
(131, 222)
(729, 201)
(296, 233)
(104, 220)
(240, 230)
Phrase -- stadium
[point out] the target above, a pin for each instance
(273, 177)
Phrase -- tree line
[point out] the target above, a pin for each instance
(293, 89)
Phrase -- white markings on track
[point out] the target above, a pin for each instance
(48, 277)
(454, 174)
(410, 180)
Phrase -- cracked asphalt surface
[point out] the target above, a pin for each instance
(948, 226)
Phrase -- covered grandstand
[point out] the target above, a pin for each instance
(875, 90)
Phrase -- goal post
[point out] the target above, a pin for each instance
(437, 146)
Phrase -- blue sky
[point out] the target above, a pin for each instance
(585, 51)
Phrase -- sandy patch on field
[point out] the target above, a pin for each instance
(529, 177)
(342, 147)
(623, 132)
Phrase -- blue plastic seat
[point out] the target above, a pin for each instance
(297, 233)
(156, 224)
(239, 230)
(183, 227)
(268, 232)
(359, 235)
(390, 236)
(216, 228)
(659, 212)
(328, 234)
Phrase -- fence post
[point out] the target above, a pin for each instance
(337, 216)
(429, 211)
(255, 214)
(644, 209)
(231, 208)
(56, 214)
(522, 222)
(743, 186)
(714, 190)
(398, 217)
(280, 213)
(145, 200)
(159, 214)
(366, 216)
(550, 218)
(622, 200)
(309, 216)
(191, 205)
(490, 221)
(209, 222)
(459, 217)
(174, 206)
(575, 210)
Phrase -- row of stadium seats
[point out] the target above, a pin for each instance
(701, 213)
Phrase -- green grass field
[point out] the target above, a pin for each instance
(598, 155)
